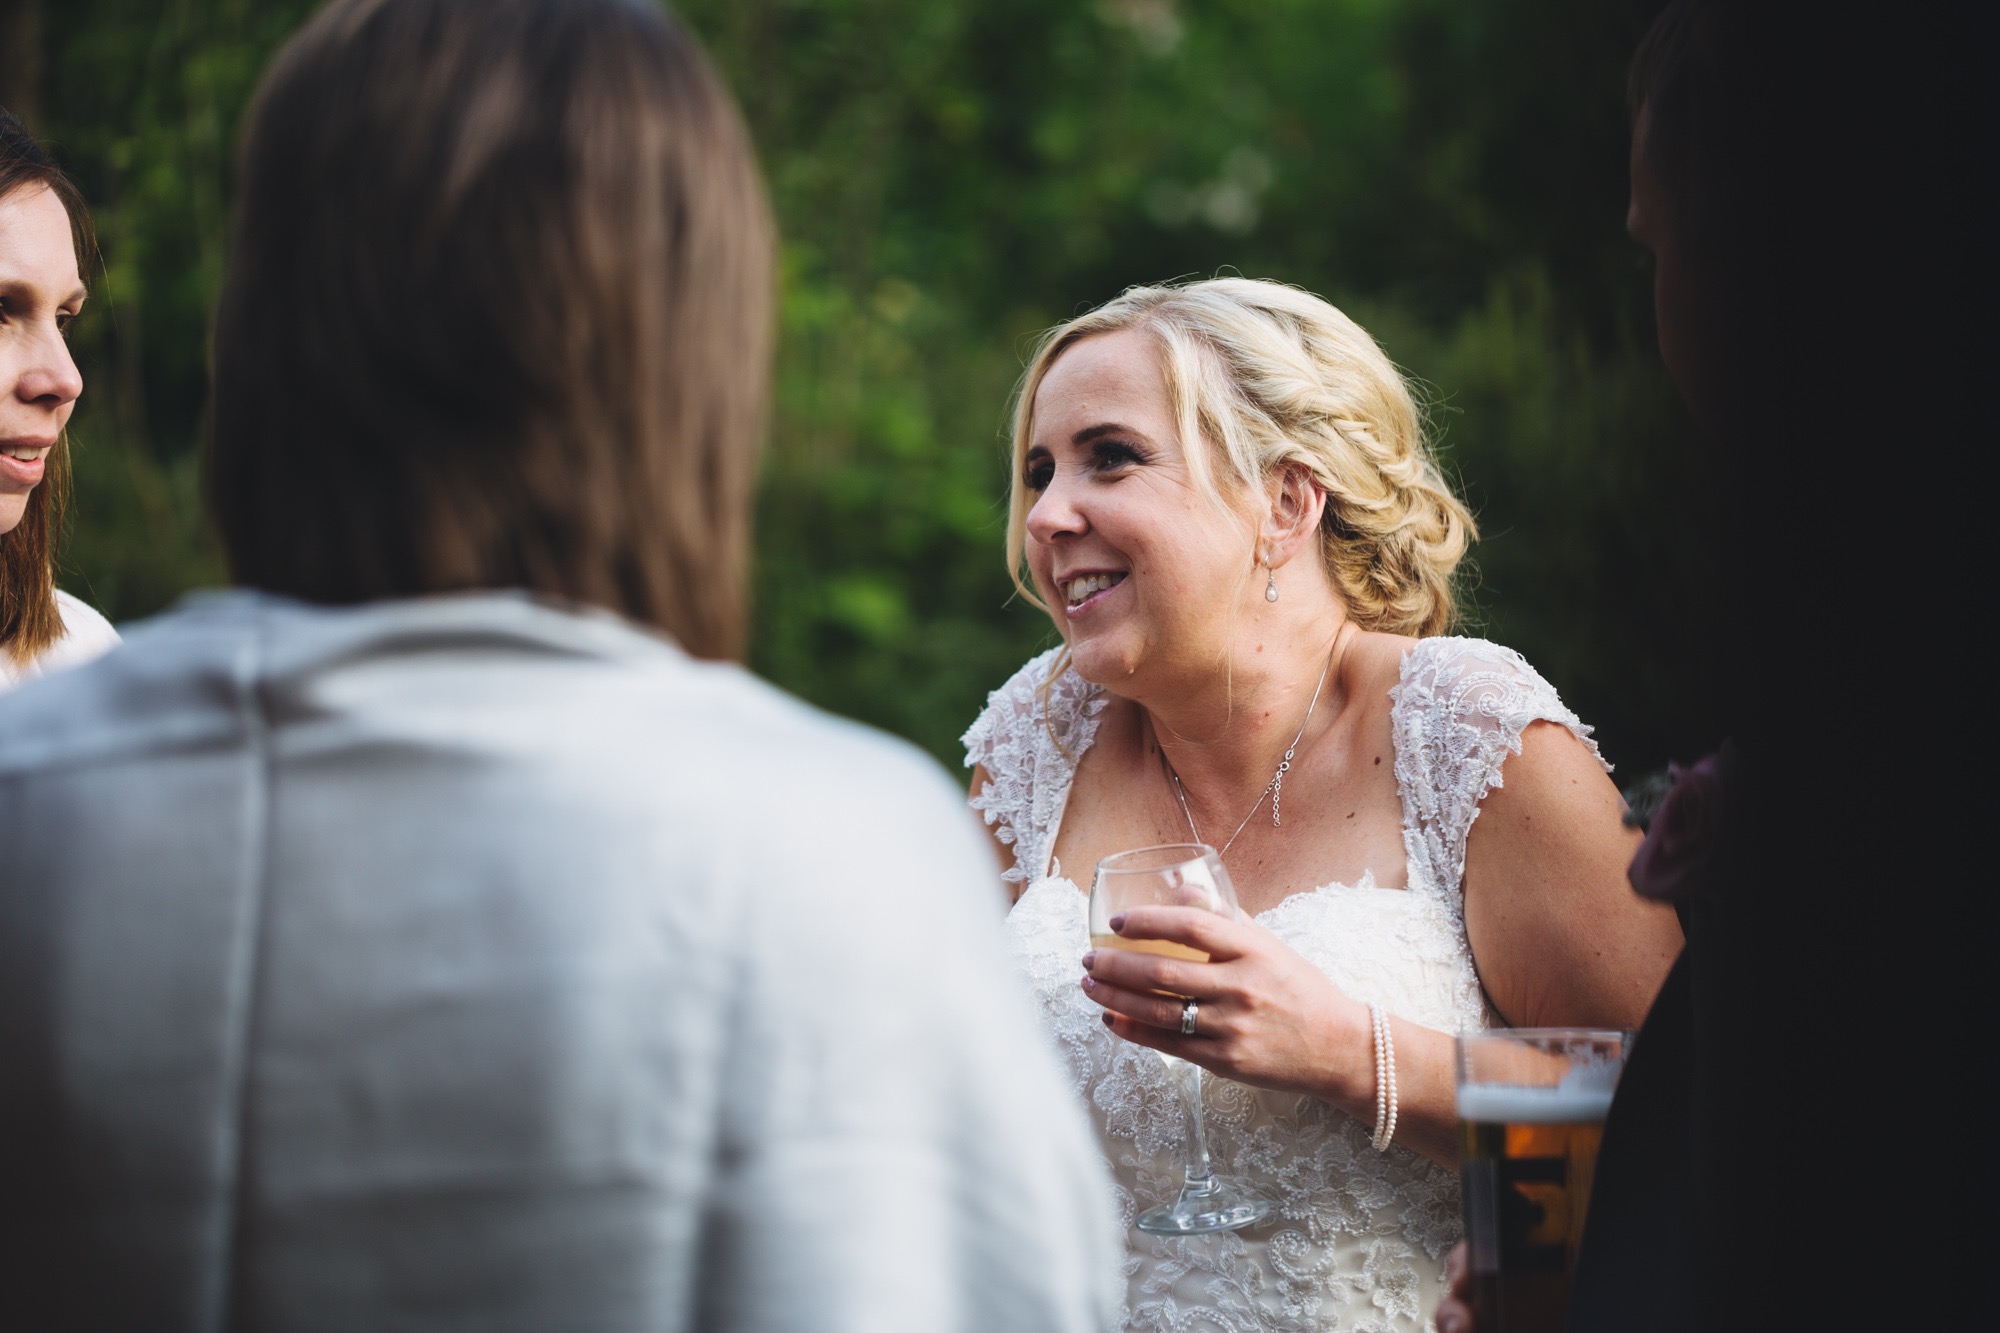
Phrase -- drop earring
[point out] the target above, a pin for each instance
(1271, 587)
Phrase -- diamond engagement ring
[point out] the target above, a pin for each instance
(1190, 1010)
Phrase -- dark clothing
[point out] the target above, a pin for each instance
(1783, 1152)
(1635, 1271)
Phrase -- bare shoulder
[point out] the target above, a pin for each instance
(1558, 934)
(1557, 771)
(1554, 805)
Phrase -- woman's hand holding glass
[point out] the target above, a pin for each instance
(1190, 878)
(1265, 1016)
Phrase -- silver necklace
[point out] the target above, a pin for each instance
(1275, 788)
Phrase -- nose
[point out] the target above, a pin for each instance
(49, 379)
(1055, 513)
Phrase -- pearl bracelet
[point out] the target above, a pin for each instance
(1386, 1101)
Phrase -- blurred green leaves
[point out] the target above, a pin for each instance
(950, 179)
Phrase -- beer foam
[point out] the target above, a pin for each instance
(1513, 1103)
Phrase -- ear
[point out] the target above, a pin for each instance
(1295, 504)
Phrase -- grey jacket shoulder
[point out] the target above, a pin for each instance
(703, 987)
(492, 668)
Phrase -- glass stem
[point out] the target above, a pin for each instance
(1199, 1172)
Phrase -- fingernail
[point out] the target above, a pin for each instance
(1117, 923)
(1106, 1018)
(1449, 1322)
(1089, 959)
(1090, 983)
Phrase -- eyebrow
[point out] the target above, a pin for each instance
(19, 287)
(1099, 431)
(1089, 434)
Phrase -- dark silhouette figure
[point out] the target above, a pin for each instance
(1788, 1146)
(1801, 181)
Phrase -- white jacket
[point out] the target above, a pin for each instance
(473, 963)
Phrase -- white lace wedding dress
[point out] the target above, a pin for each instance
(1358, 1238)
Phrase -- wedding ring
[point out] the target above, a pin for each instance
(1190, 1010)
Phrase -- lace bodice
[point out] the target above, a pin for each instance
(1358, 1238)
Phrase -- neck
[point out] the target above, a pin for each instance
(1226, 736)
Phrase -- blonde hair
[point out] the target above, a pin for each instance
(1269, 376)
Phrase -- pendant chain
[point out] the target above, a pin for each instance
(1275, 788)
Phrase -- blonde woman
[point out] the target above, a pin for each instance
(44, 234)
(1223, 496)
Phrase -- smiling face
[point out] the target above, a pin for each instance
(1142, 572)
(40, 292)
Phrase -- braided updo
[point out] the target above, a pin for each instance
(1269, 375)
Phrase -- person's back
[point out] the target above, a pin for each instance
(480, 963)
(401, 943)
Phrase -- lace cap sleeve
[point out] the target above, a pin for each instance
(1028, 739)
(1458, 712)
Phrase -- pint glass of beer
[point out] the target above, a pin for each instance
(1531, 1104)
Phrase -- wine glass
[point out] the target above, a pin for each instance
(1180, 874)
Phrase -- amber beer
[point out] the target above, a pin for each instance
(1531, 1107)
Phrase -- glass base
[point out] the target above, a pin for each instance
(1210, 1205)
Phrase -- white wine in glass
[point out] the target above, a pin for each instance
(1178, 874)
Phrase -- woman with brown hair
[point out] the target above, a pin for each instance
(44, 240)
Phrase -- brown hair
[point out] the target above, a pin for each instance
(29, 620)
(498, 314)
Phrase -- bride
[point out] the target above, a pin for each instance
(1223, 498)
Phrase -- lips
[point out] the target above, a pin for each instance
(1079, 589)
(21, 465)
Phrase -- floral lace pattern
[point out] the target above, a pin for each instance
(1030, 737)
(1357, 1239)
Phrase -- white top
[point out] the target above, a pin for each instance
(471, 963)
(1358, 1238)
(86, 637)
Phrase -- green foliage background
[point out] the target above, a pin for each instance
(952, 178)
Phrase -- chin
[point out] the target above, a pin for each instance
(1103, 662)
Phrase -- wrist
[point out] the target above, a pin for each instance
(1349, 1063)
